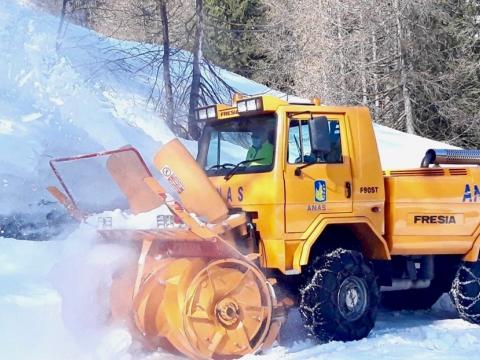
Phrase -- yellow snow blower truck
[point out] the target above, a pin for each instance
(286, 205)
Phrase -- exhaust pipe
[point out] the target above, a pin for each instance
(450, 156)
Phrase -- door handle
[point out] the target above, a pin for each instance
(348, 190)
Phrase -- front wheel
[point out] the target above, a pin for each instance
(339, 300)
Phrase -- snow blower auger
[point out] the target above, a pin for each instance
(193, 290)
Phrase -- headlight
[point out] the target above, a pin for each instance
(205, 113)
(211, 112)
(202, 114)
(254, 104)
(242, 106)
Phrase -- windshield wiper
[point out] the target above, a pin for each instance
(234, 170)
(220, 166)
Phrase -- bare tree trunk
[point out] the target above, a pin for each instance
(403, 67)
(60, 25)
(363, 69)
(167, 79)
(342, 58)
(376, 110)
(193, 128)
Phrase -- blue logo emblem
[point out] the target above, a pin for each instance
(320, 190)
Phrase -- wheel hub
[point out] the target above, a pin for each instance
(227, 312)
(352, 298)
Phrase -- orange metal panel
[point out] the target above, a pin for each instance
(189, 182)
(427, 212)
(129, 173)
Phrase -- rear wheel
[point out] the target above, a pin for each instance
(340, 300)
(466, 291)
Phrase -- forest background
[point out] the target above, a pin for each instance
(414, 63)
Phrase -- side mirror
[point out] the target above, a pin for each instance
(319, 136)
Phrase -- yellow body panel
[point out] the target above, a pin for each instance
(188, 181)
(426, 211)
(301, 208)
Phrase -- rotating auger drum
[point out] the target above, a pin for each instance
(192, 290)
(217, 309)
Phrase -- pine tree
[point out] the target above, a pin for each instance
(230, 34)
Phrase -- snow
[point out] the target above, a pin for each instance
(403, 151)
(29, 306)
(35, 276)
(49, 108)
(60, 104)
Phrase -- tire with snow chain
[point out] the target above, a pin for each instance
(340, 300)
(466, 291)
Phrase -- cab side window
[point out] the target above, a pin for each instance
(295, 154)
(299, 144)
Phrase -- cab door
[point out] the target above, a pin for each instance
(316, 185)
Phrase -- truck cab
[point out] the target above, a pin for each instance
(324, 170)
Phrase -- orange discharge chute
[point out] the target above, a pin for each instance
(188, 180)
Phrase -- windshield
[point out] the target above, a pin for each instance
(227, 143)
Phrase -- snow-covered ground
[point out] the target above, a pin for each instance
(58, 104)
(32, 325)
